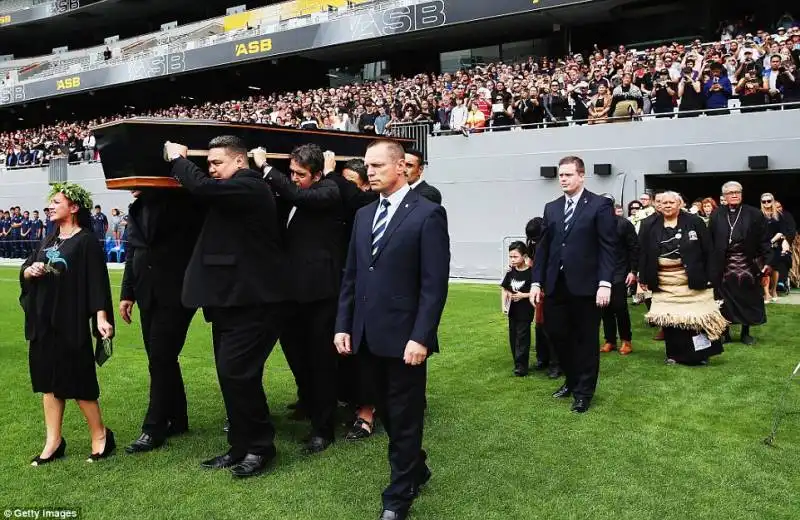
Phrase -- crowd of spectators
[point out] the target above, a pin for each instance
(604, 85)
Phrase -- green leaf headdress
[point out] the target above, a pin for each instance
(74, 192)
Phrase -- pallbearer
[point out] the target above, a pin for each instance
(234, 275)
(163, 226)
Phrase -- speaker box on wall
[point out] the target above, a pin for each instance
(548, 172)
(677, 166)
(758, 162)
(602, 169)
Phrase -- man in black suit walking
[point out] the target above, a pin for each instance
(235, 275)
(314, 254)
(393, 293)
(415, 164)
(163, 226)
(574, 267)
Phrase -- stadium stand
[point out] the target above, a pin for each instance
(534, 92)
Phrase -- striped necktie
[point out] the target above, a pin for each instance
(568, 214)
(380, 225)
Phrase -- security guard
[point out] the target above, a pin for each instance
(25, 235)
(16, 234)
(37, 227)
(5, 228)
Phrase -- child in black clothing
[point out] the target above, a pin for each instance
(516, 303)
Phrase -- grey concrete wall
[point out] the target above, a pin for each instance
(491, 183)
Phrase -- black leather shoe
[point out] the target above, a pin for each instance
(223, 461)
(391, 515)
(564, 391)
(519, 372)
(580, 405)
(554, 373)
(58, 454)
(108, 449)
(251, 465)
(145, 443)
(317, 444)
(747, 339)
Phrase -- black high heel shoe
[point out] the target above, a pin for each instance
(58, 454)
(108, 450)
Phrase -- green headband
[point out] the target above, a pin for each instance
(75, 193)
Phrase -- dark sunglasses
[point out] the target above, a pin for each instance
(766, 201)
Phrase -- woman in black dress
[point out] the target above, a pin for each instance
(674, 265)
(66, 297)
(778, 230)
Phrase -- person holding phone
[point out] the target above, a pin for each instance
(66, 297)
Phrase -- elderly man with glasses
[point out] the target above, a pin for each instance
(739, 260)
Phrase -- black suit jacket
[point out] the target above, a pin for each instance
(626, 253)
(313, 239)
(353, 199)
(586, 250)
(237, 260)
(398, 294)
(694, 246)
(429, 192)
(163, 226)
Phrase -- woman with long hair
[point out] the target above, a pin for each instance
(778, 231)
(599, 105)
(116, 220)
(66, 298)
(709, 205)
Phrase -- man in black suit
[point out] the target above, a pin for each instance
(393, 293)
(163, 226)
(235, 275)
(314, 253)
(574, 267)
(415, 164)
(616, 317)
(353, 188)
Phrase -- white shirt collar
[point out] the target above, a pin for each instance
(574, 198)
(414, 186)
(397, 197)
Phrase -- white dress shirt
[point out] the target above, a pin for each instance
(394, 202)
(414, 186)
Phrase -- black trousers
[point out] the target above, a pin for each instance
(572, 323)
(616, 316)
(519, 339)
(307, 342)
(400, 404)
(243, 340)
(545, 351)
(164, 333)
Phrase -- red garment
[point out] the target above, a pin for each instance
(485, 107)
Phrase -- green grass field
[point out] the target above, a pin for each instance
(660, 442)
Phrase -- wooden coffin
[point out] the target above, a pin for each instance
(132, 150)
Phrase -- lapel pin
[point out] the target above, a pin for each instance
(406, 205)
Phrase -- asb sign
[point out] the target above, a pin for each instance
(399, 20)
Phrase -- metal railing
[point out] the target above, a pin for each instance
(419, 132)
(676, 114)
